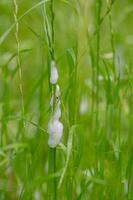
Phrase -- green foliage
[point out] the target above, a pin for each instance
(91, 42)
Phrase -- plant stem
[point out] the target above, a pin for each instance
(52, 151)
(22, 122)
(98, 59)
(52, 169)
(52, 28)
(112, 37)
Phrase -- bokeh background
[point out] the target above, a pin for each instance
(103, 142)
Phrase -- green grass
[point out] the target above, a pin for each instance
(91, 42)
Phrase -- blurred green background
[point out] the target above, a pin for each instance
(103, 160)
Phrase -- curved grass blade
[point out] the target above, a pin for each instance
(6, 33)
(69, 151)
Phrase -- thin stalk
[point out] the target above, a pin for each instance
(52, 28)
(93, 88)
(118, 105)
(51, 170)
(102, 19)
(131, 130)
(18, 60)
(52, 188)
(97, 59)
(41, 90)
(112, 37)
(5, 113)
(120, 156)
(73, 120)
(93, 81)
(47, 29)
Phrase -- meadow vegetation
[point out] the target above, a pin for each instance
(90, 42)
